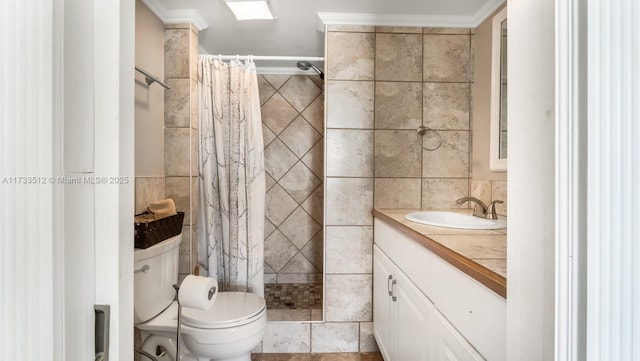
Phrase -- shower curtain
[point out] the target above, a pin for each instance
(231, 175)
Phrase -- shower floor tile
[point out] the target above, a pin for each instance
(290, 296)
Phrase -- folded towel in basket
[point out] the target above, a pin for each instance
(162, 208)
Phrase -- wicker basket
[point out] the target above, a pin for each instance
(148, 233)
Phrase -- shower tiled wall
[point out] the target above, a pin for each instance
(293, 126)
(382, 83)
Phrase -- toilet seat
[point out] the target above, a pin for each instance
(230, 309)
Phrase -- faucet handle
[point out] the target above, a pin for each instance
(491, 209)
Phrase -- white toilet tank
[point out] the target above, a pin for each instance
(156, 271)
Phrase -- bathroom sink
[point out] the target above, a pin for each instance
(455, 220)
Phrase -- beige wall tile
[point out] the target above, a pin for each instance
(314, 250)
(350, 55)
(350, 104)
(446, 106)
(176, 151)
(398, 105)
(278, 251)
(287, 337)
(299, 228)
(351, 28)
(397, 193)
(299, 91)
(349, 153)
(193, 53)
(349, 249)
(176, 53)
(314, 159)
(447, 58)
(481, 189)
(299, 277)
(279, 205)
(177, 103)
(300, 136)
(265, 89)
(314, 114)
(392, 66)
(451, 160)
(335, 337)
(367, 340)
(397, 153)
(277, 80)
(398, 29)
(499, 191)
(267, 135)
(314, 204)
(432, 30)
(194, 152)
(194, 104)
(348, 298)
(442, 193)
(148, 189)
(278, 159)
(349, 201)
(299, 182)
(277, 113)
(299, 264)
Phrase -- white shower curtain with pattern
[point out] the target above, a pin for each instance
(231, 175)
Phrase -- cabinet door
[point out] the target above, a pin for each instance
(414, 321)
(382, 304)
(449, 345)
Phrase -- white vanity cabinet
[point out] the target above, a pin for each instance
(403, 316)
(427, 310)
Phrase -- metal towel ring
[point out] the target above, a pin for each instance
(421, 132)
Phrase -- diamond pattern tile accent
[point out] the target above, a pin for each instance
(277, 80)
(314, 114)
(313, 250)
(300, 136)
(279, 205)
(314, 204)
(278, 159)
(277, 113)
(299, 228)
(293, 128)
(300, 91)
(314, 159)
(299, 182)
(265, 89)
(278, 251)
(299, 264)
(267, 135)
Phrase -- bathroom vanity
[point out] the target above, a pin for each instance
(438, 293)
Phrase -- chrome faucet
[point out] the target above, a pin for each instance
(479, 210)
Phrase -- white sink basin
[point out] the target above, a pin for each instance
(455, 220)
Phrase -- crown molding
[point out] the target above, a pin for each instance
(176, 16)
(409, 20)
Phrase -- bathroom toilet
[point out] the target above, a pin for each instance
(228, 331)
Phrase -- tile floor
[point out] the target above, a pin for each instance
(369, 356)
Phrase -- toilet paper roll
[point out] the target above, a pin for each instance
(198, 292)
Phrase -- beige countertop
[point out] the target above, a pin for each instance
(481, 254)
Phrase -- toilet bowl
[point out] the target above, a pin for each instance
(228, 331)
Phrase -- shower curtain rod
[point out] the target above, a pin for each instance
(267, 57)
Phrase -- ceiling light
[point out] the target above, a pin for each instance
(251, 9)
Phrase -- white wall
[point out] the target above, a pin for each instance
(530, 244)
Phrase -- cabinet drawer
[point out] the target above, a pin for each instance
(474, 310)
(411, 257)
